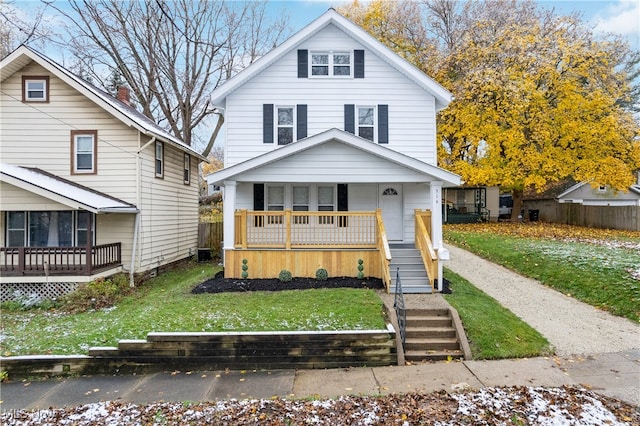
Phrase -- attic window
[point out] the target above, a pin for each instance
(602, 188)
(331, 64)
(35, 89)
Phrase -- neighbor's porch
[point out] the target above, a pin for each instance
(304, 241)
(57, 261)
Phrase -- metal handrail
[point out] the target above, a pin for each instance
(400, 307)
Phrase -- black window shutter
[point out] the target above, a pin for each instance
(301, 121)
(383, 123)
(343, 204)
(267, 123)
(303, 63)
(343, 197)
(349, 118)
(358, 63)
(258, 196)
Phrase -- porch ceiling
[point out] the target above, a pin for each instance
(62, 191)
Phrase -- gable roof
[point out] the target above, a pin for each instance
(633, 189)
(23, 55)
(62, 191)
(331, 17)
(340, 136)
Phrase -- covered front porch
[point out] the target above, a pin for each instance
(266, 242)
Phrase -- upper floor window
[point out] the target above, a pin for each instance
(331, 64)
(35, 89)
(285, 125)
(159, 159)
(84, 147)
(187, 169)
(366, 122)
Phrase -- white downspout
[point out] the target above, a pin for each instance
(133, 251)
(136, 228)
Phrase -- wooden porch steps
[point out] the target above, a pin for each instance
(431, 336)
(412, 271)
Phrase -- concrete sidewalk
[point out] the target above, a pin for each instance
(614, 374)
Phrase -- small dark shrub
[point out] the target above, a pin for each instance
(97, 294)
(25, 302)
(322, 274)
(285, 276)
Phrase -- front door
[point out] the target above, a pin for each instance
(390, 201)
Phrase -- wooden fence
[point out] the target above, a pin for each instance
(607, 217)
(211, 235)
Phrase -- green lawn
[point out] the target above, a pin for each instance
(493, 331)
(601, 270)
(166, 304)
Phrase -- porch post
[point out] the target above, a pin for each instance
(228, 213)
(436, 223)
(89, 266)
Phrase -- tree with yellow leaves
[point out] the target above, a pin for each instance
(538, 97)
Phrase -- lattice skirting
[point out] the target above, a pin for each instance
(12, 291)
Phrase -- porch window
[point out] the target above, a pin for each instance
(48, 228)
(16, 228)
(82, 228)
(84, 151)
(301, 203)
(326, 203)
(275, 202)
(35, 89)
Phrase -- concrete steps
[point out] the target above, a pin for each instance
(431, 336)
(412, 272)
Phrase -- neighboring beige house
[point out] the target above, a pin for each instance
(89, 186)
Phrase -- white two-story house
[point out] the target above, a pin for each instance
(88, 186)
(330, 159)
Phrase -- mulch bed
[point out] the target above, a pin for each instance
(219, 284)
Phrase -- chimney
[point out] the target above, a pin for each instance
(124, 95)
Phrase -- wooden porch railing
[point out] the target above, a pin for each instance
(18, 261)
(385, 252)
(424, 245)
(296, 229)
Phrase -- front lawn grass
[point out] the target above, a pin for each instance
(165, 304)
(598, 267)
(493, 331)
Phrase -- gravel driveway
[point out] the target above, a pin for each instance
(572, 327)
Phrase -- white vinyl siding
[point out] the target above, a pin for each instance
(348, 164)
(411, 117)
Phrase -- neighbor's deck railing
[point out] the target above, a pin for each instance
(424, 245)
(18, 261)
(304, 229)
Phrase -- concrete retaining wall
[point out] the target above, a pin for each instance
(215, 351)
